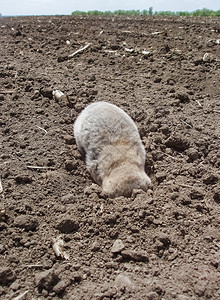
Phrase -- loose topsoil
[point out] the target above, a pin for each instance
(163, 244)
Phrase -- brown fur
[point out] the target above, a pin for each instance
(115, 155)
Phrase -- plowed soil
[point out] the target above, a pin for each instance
(163, 244)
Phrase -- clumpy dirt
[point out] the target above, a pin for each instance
(163, 244)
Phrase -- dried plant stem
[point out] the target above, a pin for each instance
(39, 167)
(57, 245)
(1, 187)
(79, 50)
(42, 129)
(19, 297)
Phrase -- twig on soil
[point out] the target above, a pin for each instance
(185, 185)
(197, 101)
(80, 50)
(19, 297)
(57, 245)
(63, 58)
(215, 110)
(174, 158)
(157, 32)
(34, 266)
(42, 129)
(39, 167)
(186, 123)
(1, 187)
(7, 92)
(110, 51)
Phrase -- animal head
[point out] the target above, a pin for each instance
(124, 180)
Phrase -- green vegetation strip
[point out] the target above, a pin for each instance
(197, 13)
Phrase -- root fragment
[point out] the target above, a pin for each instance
(1, 188)
(63, 58)
(42, 129)
(39, 167)
(57, 245)
(21, 296)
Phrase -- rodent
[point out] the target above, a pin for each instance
(114, 153)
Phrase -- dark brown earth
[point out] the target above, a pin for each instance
(166, 241)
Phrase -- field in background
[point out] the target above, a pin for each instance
(163, 244)
(199, 12)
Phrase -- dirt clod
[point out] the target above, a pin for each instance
(135, 255)
(26, 222)
(60, 287)
(6, 275)
(46, 279)
(23, 179)
(178, 143)
(67, 224)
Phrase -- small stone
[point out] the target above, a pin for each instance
(67, 225)
(208, 57)
(137, 256)
(118, 246)
(147, 54)
(36, 94)
(26, 222)
(123, 280)
(6, 276)
(95, 246)
(46, 280)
